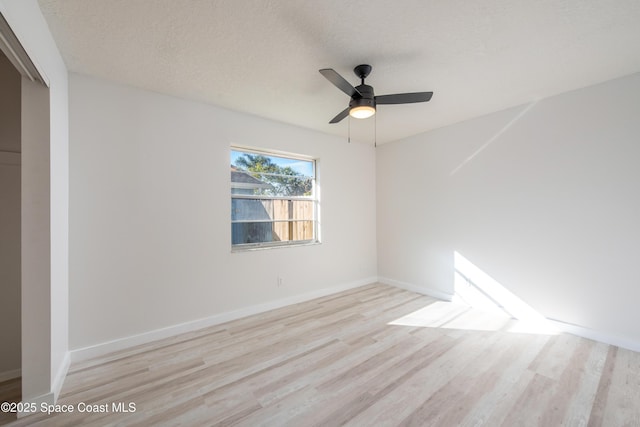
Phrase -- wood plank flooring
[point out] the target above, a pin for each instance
(359, 358)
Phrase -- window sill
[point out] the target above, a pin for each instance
(264, 248)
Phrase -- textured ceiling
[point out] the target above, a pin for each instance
(262, 56)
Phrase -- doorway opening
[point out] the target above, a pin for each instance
(10, 230)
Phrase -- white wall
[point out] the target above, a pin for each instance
(45, 195)
(545, 198)
(150, 213)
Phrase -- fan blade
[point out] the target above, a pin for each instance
(339, 82)
(404, 98)
(344, 113)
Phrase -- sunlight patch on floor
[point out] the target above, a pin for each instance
(455, 315)
(451, 315)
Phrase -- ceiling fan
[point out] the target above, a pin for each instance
(363, 101)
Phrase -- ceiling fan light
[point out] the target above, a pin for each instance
(362, 112)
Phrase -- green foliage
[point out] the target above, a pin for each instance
(284, 180)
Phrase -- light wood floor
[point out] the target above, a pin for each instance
(339, 360)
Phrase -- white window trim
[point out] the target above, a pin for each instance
(246, 247)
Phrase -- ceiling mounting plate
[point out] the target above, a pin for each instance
(362, 71)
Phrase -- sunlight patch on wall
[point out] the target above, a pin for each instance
(494, 137)
(475, 288)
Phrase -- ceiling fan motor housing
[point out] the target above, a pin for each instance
(368, 98)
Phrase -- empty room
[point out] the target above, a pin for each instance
(286, 213)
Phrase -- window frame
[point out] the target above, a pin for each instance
(314, 198)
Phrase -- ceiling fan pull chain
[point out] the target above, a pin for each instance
(349, 131)
(375, 131)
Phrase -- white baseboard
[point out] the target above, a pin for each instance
(9, 375)
(36, 402)
(419, 289)
(48, 398)
(58, 380)
(583, 332)
(147, 337)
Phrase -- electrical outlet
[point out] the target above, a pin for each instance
(280, 281)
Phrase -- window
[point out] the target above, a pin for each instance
(273, 200)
